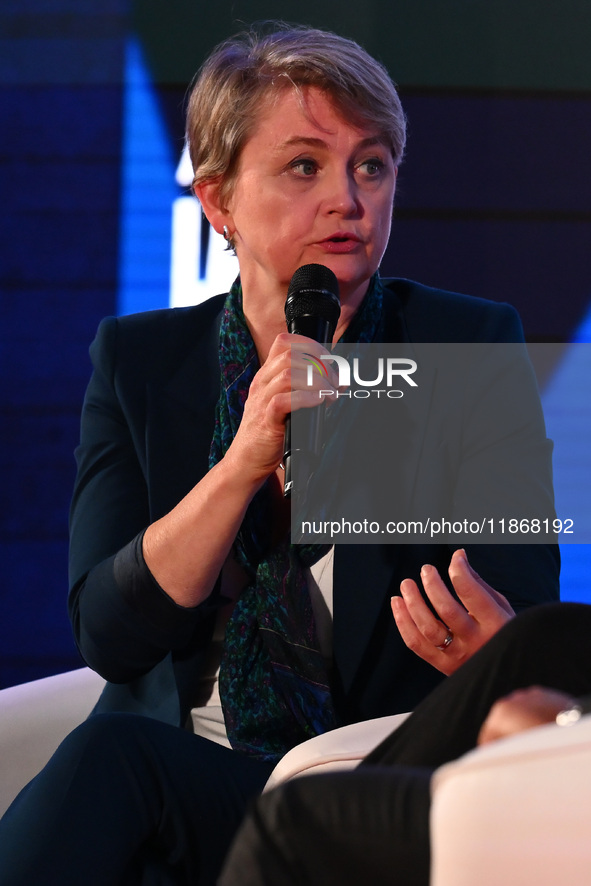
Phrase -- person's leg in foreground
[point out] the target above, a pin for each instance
(372, 825)
(128, 800)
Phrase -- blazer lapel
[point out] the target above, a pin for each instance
(362, 575)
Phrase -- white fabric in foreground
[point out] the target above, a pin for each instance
(341, 748)
(517, 811)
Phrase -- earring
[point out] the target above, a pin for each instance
(226, 233)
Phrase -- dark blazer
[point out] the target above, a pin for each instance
(147, 424)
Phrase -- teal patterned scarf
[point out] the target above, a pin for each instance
(274, 684)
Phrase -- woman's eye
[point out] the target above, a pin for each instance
(372, 167)
(304, 167)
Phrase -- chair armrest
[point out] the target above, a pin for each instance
(341, 748)
(34, 718)
(515, 811)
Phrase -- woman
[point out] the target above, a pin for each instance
(181, 566)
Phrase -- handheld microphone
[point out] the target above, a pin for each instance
(312, 308)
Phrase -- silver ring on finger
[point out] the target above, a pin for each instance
(448, 640)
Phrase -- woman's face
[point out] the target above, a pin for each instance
(310, 187)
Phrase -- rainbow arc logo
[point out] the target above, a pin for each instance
(315, 364)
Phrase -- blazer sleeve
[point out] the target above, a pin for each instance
(123, 622)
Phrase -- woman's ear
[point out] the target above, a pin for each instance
(208, 194)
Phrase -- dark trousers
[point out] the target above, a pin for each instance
(124, 801)
(372, 825)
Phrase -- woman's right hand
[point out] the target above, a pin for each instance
(278, 388)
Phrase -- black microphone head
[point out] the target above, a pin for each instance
(313, 292)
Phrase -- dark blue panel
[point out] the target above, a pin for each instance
(35, 634)
(497, 152)
(59, 176)
(542, 268)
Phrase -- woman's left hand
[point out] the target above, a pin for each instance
(459, 629)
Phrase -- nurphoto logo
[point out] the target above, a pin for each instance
(388, 371)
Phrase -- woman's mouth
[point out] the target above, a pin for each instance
(340, 243)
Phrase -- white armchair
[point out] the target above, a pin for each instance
(514, 812)
(34, 718)
(517, 811)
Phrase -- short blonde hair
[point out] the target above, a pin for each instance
(237, 76)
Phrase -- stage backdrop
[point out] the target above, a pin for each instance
(494, 199)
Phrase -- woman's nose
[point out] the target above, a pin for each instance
(342, 196)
